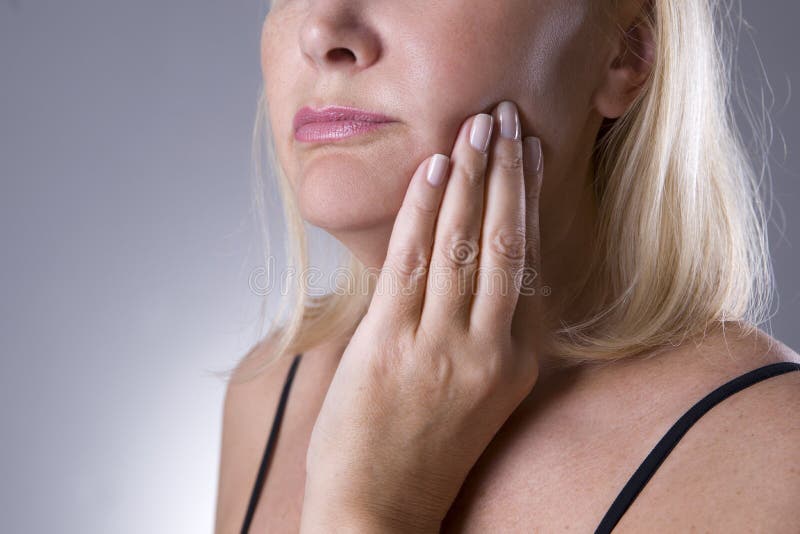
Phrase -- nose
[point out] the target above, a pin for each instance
(336, 36)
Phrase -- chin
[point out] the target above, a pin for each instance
(340, 196)
(339, 207)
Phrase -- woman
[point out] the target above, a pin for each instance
(569, 253)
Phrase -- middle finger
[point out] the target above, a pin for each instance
(454, 259)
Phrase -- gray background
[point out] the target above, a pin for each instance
(127, 244)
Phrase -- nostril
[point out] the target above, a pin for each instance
(341, 53)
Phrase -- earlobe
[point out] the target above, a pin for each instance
(628, 71)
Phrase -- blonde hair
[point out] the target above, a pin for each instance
(682, 232)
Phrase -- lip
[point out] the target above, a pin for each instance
(332, 123)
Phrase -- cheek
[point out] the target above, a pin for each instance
(558, 77)
(275, 64)
(279, 86)
(512, 51)
(458, 63)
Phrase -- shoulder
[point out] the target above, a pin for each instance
(248, 414)
(737, 469)
(248, 408)
(252, 392)
(751, 456)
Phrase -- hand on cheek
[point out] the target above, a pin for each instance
(432, 371)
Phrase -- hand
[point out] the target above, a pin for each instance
(432, 371)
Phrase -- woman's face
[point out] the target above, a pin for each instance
(430, 64)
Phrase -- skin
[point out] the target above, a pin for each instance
(403, 48)
(355, 462)
(417, 375)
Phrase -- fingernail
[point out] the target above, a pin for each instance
(437, 166)
(481, 132)
(509, 120)
(532, 154)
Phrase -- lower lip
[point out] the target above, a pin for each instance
(334, 131)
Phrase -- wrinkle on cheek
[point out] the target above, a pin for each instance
(556, 58)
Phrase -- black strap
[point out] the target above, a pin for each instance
(273, 434)
(674, 434)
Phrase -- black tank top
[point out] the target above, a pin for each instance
(634, 485)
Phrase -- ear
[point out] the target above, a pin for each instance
(631, 61)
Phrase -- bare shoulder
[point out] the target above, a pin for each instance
(569, 451)
(738, 468)
(247, 412)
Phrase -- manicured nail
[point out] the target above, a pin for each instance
(437, 166)
(481, 132)
(532, 154)
(509, 120)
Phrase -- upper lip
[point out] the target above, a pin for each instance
(307, 115)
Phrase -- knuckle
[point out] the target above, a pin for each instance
(532, 195)
(529, 276)
(473, 171)
(509, 242)
(435, 370)
(489, 376)
(425, 363)
(392, 357)
(423, 209)
(408, 262)
(532, 251)
(511, 163)
(459, 251)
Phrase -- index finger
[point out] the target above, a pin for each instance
(401, 284)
